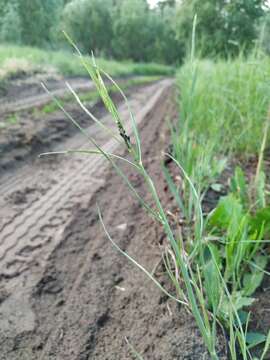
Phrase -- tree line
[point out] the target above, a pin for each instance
(130, 29)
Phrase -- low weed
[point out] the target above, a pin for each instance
(9, 121)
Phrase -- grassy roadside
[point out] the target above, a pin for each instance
(223, 111)
(224, 116)
(18, 59)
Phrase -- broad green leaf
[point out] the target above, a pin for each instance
(260, 189)
(239, 302)
(212, 284)
(251, 282)
(243, 316)
(262, 218)
(217, 187)
(238, 185)
(242, 301)
(254, 338)
(228, 213)
(215, 252)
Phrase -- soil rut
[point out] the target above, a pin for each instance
(35, 97)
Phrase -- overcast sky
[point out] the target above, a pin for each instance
(152, 2)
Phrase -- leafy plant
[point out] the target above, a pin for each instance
(241, 230)
(231, 259)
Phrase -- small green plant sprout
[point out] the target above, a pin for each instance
(9, 121)
(133, 351)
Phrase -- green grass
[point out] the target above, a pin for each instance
(223, 109)
(224, 115)
(17, 59)
(9, 121)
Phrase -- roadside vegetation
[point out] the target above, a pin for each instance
(133, 30)
(224, 120)
(17, 60)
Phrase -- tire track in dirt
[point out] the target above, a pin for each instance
(87, 263)
(33, 101)
(29, 221)
(90, 297)
(30, 235)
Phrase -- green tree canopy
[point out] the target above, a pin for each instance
(10, 26)
(224, 27)
(131, 33)
(130, 29)
(30, 21)
(89, 23)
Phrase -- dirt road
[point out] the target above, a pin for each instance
(64, 291)
(26, 95)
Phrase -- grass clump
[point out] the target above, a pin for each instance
(226, 105)
(223, 111)
(223, 116)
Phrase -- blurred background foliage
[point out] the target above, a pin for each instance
(132, 30)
